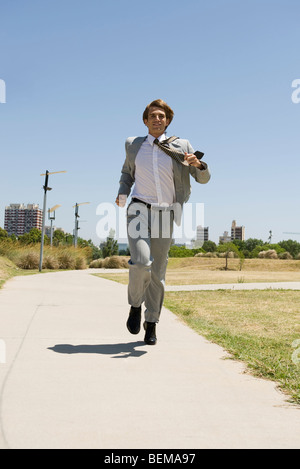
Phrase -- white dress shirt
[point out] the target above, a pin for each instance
(154, 182)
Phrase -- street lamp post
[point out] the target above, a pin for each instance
(46, 189)
(51, 215)
(77, 222)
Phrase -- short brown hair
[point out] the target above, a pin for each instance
(162, 105)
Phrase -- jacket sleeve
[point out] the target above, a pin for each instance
(127, 174)
(200, 175)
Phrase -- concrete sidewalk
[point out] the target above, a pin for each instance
(75, 378)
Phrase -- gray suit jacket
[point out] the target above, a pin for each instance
(181, 173)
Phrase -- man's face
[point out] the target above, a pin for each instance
(157, 121)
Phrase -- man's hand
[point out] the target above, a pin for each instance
(193, 160)
(121, 200)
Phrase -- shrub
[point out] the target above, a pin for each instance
(270, 254)
(285, 255)
(66, 260)
(28, 260)
(229, 255)
(50, 262)
(96, 264)
(114, 262)
(211, 254)
(80, 263)
(27, 257)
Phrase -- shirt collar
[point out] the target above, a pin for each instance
(151, 138)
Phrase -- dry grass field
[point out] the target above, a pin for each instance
(199, 271)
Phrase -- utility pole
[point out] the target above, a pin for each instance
(46, 189)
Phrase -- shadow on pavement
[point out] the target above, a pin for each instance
(124, 350)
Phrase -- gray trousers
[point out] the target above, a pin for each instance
(149, 235)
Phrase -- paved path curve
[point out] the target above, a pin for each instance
(75, 378)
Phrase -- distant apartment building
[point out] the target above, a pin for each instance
(202, 233)
(237, 232)
(20, 219)
(48, 230)
(225, 238)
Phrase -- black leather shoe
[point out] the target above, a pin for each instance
(150, 336)
(134, 320)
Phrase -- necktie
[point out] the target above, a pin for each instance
(179, 157)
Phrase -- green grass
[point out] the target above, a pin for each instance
(8, 270)
(255, 327)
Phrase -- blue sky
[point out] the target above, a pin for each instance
(79, 74)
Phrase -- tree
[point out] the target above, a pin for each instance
(209, 246)
(110, 246)
(182, 251)
(96, 252)
(33, 237)
(58, 237)
(227, 248)
(3, 233)
(239, 244)
(252, 243)
(293, 247)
